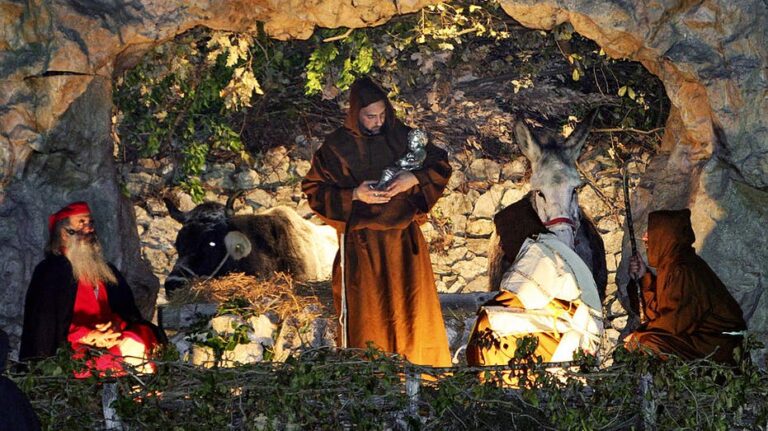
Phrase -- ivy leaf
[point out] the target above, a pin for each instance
(622, 91)
(576, 75)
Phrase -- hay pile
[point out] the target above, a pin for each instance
(276, 294)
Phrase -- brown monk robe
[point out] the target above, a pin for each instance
(390, 293)
(687, 307)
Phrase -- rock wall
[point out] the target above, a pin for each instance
(57, 60)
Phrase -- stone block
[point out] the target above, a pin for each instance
(513, 195)
(484, 170)
(488, 203)
(481, 227)
(478, 284)
(259, 199)
(247, 179)
(469, 269)
(226, 324)
(299, 333)
(515, 169)
(183, 316)
(262, 330)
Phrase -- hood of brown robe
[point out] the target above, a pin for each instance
(362, 93)
(670, 237)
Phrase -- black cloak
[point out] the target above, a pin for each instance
(50, 302)
(16, 413)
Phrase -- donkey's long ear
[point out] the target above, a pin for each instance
(527, 142)
(575, 142)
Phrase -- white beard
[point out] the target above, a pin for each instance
(88, 262)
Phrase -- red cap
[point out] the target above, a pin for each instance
(75, 208)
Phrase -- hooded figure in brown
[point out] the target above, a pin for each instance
(383, 283)
(689, 311)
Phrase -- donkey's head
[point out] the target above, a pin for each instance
(554, 177)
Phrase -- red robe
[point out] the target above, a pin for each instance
(49, 309)
(90, 310)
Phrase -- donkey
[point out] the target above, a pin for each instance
(554, 183)
(526, 306)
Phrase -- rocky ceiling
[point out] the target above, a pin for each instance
(57, 60)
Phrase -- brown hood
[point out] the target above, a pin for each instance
(670, 237)
(363, 93)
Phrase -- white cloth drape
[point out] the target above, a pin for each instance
(547, 269)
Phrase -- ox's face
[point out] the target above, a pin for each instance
(555, 179)
(200, 245)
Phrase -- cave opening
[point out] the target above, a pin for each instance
(211, 112)
(463, 84)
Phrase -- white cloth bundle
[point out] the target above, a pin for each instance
(547, 269)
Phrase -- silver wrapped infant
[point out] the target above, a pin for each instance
(412, 160)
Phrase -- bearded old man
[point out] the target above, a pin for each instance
(689, 310)
(77, 298)
(383, 282)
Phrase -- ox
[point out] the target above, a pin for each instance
(214, 241)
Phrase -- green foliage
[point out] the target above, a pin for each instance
(319, 63)
(192, 100)
(216, 96)
(364, 389)
(177, 101)
(343, 55)
(353, 51)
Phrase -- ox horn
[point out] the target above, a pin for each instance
(229, 209)
(177, 214)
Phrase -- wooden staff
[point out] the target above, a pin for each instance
(634, 293)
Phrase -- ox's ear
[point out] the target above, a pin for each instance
(575, 142)
(528, 144)
(238, 245)
(177, 214)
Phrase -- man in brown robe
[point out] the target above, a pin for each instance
(383, 283)
(689, 311)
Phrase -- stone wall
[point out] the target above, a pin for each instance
(458, 230)
(58, 58)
